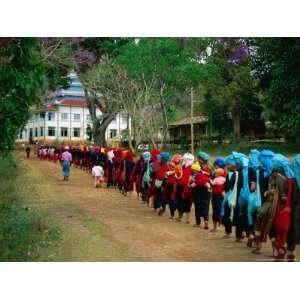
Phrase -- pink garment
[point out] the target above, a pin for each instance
(66, 156)
(218, 180)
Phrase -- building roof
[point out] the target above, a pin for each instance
(72, 102)
(188, 120)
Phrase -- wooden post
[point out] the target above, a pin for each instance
(192, 121)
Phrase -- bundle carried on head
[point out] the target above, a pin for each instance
(281, 163)
(220, 162)
(177, 158)
(265, 158)
(203, 156)
(295, 166)
(165, 156)
(254, 161)
(188, 159)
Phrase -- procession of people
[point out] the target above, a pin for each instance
(256, 195)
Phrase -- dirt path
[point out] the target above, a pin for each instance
(103, 225)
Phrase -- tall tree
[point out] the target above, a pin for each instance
(21, 81)
(86, 53)
(276, 62)
(167, 64)
(234, 88)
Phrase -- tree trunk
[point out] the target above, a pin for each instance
(129, 133)
(99, 129)
(236, 126)
(100, 137)
(165, 119)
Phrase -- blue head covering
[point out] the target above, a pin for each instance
(281, 162)
(220, 161)
(165, 156)
(254, 162)
(147, 156)
(240, 159)
(295, 166)
(265, 158)
(203, 155)
(229, 160)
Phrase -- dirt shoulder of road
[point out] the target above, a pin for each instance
(84, 238)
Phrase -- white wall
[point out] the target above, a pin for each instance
(36, 121)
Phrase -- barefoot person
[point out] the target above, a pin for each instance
(217, 196)
(66, 159)
(98, 174)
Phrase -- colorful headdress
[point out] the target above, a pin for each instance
(203, 155)
(188, 159)
(280, 162)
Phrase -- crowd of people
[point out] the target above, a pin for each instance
(256, 194)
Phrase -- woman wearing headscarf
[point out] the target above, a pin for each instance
(230, 189)
(173, 174)
(282, 183)
(154, 167)
(200, 191)
(66, 160)
(146, 177)
(159, 181)
(110, 168)
(137, 175)
(265, 214)
(183, 199)
(294, 232)
(242, 195)
(127, 171)
(254, 201)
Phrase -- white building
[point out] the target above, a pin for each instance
(66, 117)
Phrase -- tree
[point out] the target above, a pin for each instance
(234, 88)
(168, 65)
(29, 67)
(22, 82)
(276, 62)
(109, 90)
(86, 54)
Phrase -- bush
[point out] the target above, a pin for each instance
(24, 233)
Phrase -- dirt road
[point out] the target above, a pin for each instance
(103, 225)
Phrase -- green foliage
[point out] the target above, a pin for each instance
(277, 65)
(21, 81)
(29, 67)
(57, 62)
(232, 94)
(24, 233)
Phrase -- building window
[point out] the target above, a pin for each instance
(124, 120)
(88, 118)
(42, 131)
(76, 132)
(21, 136)
(64, 117)
(51, 116)
(36, 132)
(76, 117)
(51, 131)
(112, 133)
(64, 131)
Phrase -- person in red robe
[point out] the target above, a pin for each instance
(183, 198)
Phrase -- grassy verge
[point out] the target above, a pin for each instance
(287, 149)
(25, 233)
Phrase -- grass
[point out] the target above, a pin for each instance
(25, 233)
(287, 149)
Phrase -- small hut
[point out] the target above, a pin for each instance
(180, 131)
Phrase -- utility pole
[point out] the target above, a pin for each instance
(192, 121)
